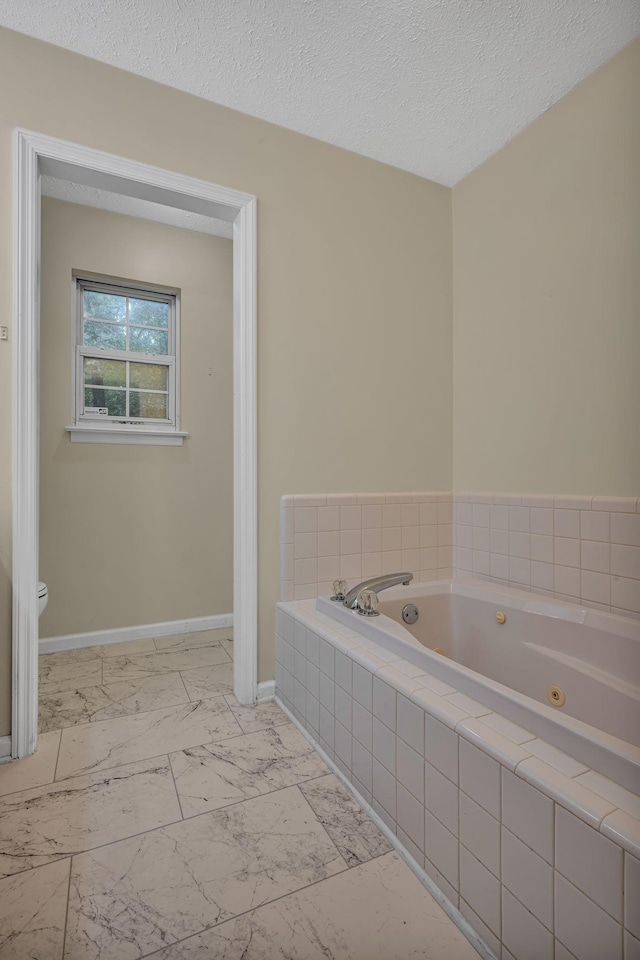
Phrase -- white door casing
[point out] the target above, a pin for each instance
(36, 154)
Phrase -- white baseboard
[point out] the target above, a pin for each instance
(266, 691)
(452, 912)
(142, 632)
(5, 749)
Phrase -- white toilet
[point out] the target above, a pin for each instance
(43, 597)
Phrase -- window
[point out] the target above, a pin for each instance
(126, 360)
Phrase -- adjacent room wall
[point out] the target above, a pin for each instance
(547, 300)
(354, 304)
(136, 534)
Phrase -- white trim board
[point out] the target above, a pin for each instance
(5, 749)
(266, 691)
(37, 155)
(169, 628)
(156, 438)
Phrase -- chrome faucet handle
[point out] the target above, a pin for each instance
(367, 603)
(340, 588)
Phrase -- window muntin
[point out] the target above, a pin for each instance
(125, 355)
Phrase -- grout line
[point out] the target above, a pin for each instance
(211, 667)
(54, 693)
(268, 793)
(457, 887)
(171, 823)
(553, 870)
(587, 896)
(133, 713)
(125, 763)
(55, 769)
(66, 912)
(319, 821)
(528, 909)
(155, 756)
(185, 687)
(259, 906)
(142, 713)
(37, 786)
(122, 716)
(175, 786)
(625, 899)
(88, 686)
(500, 871)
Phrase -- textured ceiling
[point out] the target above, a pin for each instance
(134, 207)
(431, 86)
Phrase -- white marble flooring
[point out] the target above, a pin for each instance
(160, 818)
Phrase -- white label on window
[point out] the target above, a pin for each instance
(96, 411)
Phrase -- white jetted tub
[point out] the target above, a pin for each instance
(570, 675)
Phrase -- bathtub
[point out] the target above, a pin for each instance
(513, 667)
(590, 659)
(502, 803)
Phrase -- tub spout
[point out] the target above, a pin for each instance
(376, 584)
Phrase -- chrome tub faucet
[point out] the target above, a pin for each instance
(376, 584)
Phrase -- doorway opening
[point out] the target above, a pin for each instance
(38, 156)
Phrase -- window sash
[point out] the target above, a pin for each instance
(134, 291)
(151, 359)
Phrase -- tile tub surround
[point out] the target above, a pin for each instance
(355, 536)
(536, 852)
(580, 549)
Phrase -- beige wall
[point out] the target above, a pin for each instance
(547, 300)
(136, 534)
(354, 326)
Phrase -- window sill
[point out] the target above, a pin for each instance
(141, 435)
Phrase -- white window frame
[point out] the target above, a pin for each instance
(100, 428)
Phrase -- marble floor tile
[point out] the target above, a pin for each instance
(129, 648)
(209, 682)
(47, 823)
(90, 704)
(162, 661)
(68, 656)
(353, 832)
(218, 774)
(33, 908)
(258, 871)
(186, 641)
(259, 716)
(228, 646)
(31, 771)
(133, 897)
(377, 911)
(55, 674)
(90, 747)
